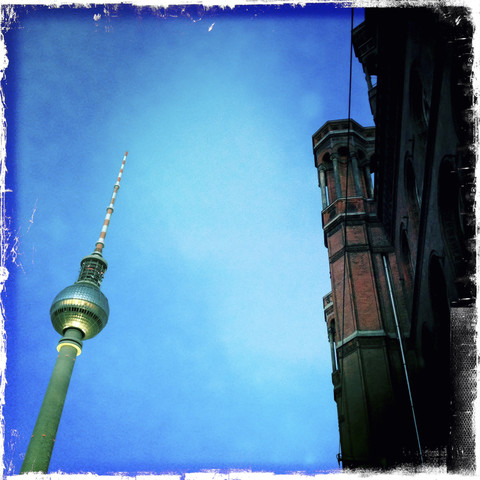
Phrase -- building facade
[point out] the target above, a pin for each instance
(399, 226)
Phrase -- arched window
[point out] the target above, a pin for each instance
(342, 152)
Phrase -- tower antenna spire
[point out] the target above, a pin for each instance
(78, 312)
(101, 240)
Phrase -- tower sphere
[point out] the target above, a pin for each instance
(82, 306)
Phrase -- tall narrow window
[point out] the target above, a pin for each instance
(412, 193)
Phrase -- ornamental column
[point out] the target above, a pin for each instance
(323, 185)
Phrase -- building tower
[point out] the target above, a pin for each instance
(365, 312)
(78, 312)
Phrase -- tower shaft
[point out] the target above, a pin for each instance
(39, 452)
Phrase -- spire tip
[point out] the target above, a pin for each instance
(101, 241)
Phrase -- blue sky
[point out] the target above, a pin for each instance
(215, 354)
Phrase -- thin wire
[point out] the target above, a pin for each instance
(404, 363)
(342, 384)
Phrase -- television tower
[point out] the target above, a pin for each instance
(78, 312)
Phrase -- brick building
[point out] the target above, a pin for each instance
(398, 222)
